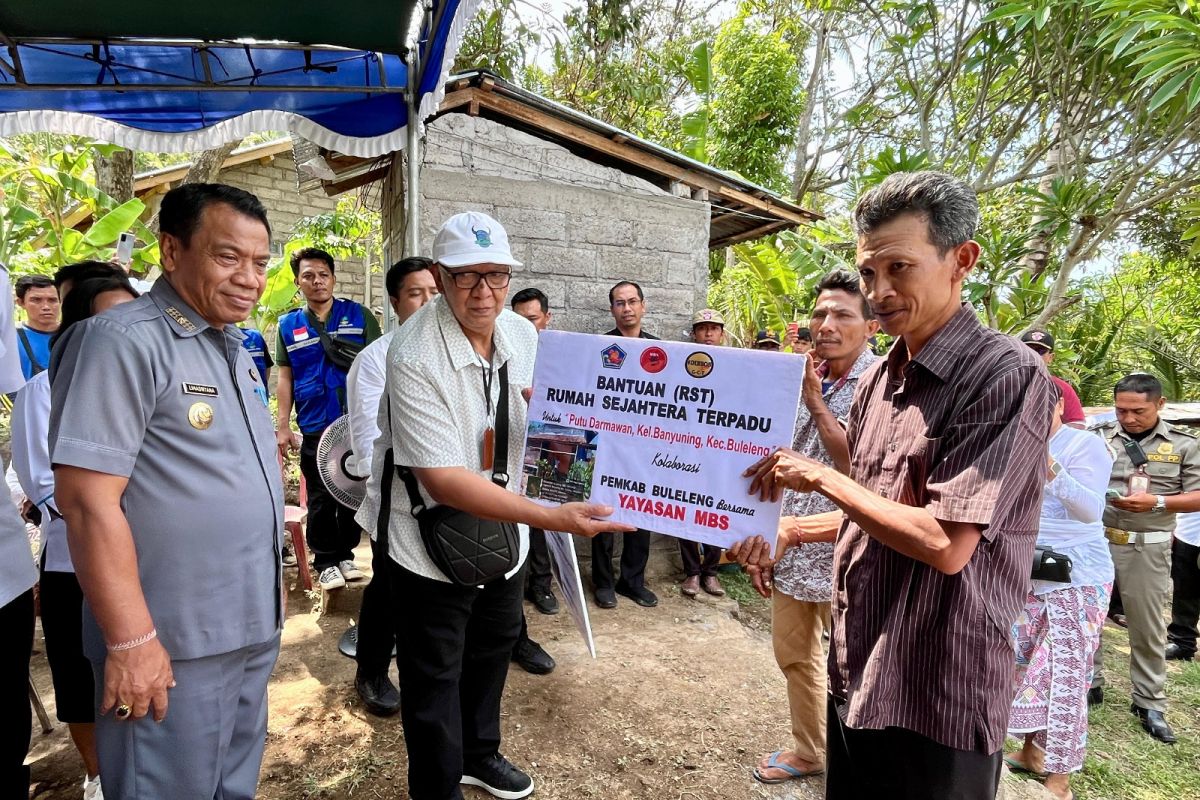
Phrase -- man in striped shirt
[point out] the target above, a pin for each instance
(948, 458)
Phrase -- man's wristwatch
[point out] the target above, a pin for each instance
(1160, 503)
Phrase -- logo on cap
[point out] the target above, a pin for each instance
(699, 365)
(1037, 336)
(483, 237)
(654, 359)
(612, 357)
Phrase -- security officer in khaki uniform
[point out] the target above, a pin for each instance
(1156, 474)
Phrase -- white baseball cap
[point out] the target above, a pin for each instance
(472, 238)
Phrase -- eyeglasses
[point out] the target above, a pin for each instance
(469, 280)
(631, 303)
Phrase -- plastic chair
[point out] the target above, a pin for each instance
(294, 520)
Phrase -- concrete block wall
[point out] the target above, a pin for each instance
(578, 227)
(275, 185)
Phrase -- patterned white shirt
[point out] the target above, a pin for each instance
(805, 571)
(438, 413)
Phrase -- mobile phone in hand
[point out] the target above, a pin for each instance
(1112, 494)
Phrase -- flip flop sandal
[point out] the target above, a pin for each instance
(1017, 766)
(792, 773)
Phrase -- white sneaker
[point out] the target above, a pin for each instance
(91, 788)
(331, 578)
(289, 558)
(350, 571)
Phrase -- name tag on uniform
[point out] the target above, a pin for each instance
(200, 389)
(1168, 459)
(300, 334)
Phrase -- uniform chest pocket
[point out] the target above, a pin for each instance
(1163, 469)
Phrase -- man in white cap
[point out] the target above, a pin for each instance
(455, 377)
(700, 560)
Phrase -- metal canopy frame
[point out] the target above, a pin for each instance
(99, 53)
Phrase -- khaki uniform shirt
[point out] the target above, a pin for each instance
(1174, 468)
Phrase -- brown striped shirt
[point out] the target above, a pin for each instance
(959, 430)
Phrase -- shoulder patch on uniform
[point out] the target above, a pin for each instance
(1186, 431)
(177, 315)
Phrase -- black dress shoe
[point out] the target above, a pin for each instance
(532, 658)
(498, 777)
(543, 600)
(1176, 653)
(1095, 696)
(378, 693)
(638, 594)
(1155, 724)
(605, 598)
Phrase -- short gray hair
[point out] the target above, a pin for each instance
(948, 205)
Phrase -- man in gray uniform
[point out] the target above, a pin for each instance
(17, 576)
(1155, 474)
(166, 472)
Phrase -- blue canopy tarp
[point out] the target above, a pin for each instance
(185, 77)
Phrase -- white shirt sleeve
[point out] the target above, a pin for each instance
(1081, 484)
(11, 377)
(364, 387)
(31, 440)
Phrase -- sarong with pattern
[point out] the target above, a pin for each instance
(1056, 634)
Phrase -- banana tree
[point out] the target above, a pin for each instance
(48, 200)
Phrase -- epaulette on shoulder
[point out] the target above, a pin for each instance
(1186, 430)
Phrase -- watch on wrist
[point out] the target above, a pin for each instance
(1160, 503)
(1055, 469)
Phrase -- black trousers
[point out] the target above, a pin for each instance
(635, 550)
(455, 645)
(332, 533)
(16, 627)
(899, 764)
(1185, 595)
(696, 564)
(376, 626)
(538, 571)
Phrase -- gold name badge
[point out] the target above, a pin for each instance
(200, 416)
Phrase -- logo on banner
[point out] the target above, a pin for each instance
(654, 359)
(613, 357)
(699, 365)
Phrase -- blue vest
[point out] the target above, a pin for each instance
(256, 346)
(319, 387)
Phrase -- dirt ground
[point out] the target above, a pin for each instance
(679, 704)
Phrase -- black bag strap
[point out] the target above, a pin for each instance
(500, 456)
(28, 348)
(331, 353)
(500, 475)
(385, 495)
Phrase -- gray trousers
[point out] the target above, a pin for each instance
(1144, 572)
(209, 747)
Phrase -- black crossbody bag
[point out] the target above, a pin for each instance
(468, 550)
(1050, 565)
(340, 352)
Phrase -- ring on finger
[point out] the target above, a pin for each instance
(123, 711)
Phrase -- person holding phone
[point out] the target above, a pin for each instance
(1156, 471)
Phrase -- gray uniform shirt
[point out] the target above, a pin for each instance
(149, 391)
(17, 573)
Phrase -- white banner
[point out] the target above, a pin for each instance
(661, 431)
